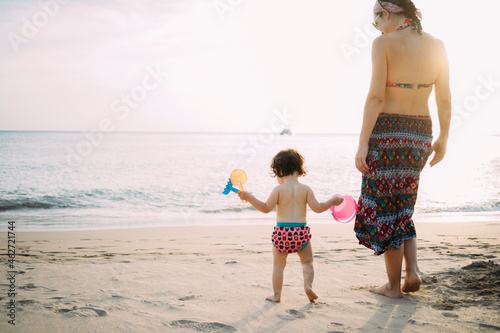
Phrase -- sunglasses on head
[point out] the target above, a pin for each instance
(375, 23)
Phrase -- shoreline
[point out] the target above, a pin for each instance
(212, 221)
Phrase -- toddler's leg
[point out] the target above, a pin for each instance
(412, 280)
(306, 259)
(278, 268)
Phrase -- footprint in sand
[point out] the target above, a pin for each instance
(475, 284)
(28, 286)
(493, 327)
(118, 297)
(339, 326)
(186, 298)
(296, 313)
(202, 327)
(83, 312)
(293, 314)
(32, 286)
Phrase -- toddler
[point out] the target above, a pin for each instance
(291, 235)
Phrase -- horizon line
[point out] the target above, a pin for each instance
(195, 132)
(177, 132)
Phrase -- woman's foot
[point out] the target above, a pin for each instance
(311, 294)
(274, 298)
(411, 284)
(385, 290)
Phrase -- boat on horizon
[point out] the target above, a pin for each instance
(286, 131)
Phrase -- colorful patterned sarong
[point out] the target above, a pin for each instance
(399, 147)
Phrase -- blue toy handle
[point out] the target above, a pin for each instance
(229, 187)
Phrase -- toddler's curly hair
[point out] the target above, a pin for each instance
(286, 162)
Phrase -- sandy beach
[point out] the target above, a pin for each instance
(216, 279)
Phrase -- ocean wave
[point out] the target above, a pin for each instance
(114, 199)
(134, 200)
(43, 202)
(489, 206)
(92, 198)
(228, 210)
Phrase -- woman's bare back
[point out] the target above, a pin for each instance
(411, 59)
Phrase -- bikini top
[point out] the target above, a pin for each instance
(409, 85)
(413, 25)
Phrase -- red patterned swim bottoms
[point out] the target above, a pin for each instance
(291, 239)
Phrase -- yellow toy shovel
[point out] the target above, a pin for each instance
(238, 178)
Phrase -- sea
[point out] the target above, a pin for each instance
(53, 181)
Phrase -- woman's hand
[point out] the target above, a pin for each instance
(439, 149)
(360, 159)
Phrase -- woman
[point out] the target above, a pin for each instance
(396, 137)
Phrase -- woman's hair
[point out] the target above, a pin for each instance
(286, 162)
(410, 11)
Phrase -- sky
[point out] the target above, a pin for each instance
(223, 65)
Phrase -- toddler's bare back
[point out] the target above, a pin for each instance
(292, 202)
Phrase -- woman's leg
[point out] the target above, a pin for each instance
(393, 265)
(306, 259)
(279, 263)
(412, 280)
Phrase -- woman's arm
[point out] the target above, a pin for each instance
(443, 102)
(264, 207)
(374, 101)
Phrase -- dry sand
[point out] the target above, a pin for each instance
(215, 279)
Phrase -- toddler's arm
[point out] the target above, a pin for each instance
(264, 207)
(318, 207)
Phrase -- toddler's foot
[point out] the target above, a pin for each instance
(274, 298)
(411, 284)
(311, 294)
(386, 291)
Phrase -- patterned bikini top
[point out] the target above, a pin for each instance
(413, 25)
(409, 85)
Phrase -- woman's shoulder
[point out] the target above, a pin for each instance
(432, 38)
(436, 43)
(381, 43)
(387, 40)
(382, 39)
